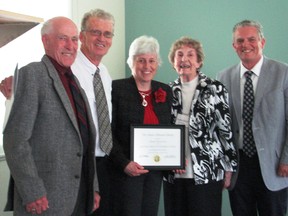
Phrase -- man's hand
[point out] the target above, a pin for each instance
(38, 206)
(96, 201)
(283, 170)
(134, 169)
(6, 87)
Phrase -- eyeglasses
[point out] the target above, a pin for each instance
(96, 32)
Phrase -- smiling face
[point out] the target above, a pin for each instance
(144, 68)
(95, 45)
(61, 41)
(186, 63)
(248, 45)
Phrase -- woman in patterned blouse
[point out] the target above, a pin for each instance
(201, 104)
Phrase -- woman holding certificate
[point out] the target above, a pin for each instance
(137, 100)
(201, 104)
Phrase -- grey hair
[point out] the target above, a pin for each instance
(47, 27)
(251, 23)
(97, 13)
(143, 45)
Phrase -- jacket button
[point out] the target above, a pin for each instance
(79, 154)
(77, 176)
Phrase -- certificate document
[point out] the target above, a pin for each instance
(158, 147)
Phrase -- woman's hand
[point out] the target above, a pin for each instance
(181, 171)
(227, 180)
(134, 169)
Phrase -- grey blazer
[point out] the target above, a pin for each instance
(270, 126)
(42, 143)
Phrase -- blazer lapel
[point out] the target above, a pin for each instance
(262, 84)
(61, 91)
(134, 95)
(235, 92)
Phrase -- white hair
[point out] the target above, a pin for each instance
(143, 45)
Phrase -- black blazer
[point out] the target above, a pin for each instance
(127, 109)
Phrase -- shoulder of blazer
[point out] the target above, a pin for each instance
(51, 70)
(231, 69)
(230, 75)
(124, 88)
(119, 83)
(156, 84)
(271, 63)
(40, 70)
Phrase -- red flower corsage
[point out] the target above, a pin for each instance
(160, 96)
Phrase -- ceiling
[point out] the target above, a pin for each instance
(13, 25)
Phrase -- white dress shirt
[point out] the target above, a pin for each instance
(84, 70)
(255, 76)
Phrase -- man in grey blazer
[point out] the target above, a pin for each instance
(261, 181)
(51, 163)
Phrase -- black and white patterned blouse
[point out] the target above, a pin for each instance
(210, 135)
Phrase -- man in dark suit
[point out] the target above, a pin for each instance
(261, 181)
(49, 154)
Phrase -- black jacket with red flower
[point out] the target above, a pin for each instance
(127, 109)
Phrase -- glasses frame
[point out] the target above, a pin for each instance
(96, 32)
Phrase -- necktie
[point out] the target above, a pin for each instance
(105, 135)
(249, 147)
(81, 113)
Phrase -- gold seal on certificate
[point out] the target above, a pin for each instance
(156, 158)
(158, 147)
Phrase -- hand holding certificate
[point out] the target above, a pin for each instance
(158, 147)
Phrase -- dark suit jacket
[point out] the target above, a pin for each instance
(127, 109)
(42, 143)
(270, 124)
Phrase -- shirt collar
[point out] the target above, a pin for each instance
(256, 69)
(90, 67)
(59, 68)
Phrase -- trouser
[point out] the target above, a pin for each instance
(250, 194)
(103, 173)
(136, 196)
(187, 199)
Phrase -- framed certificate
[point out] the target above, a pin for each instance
(158, 147)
